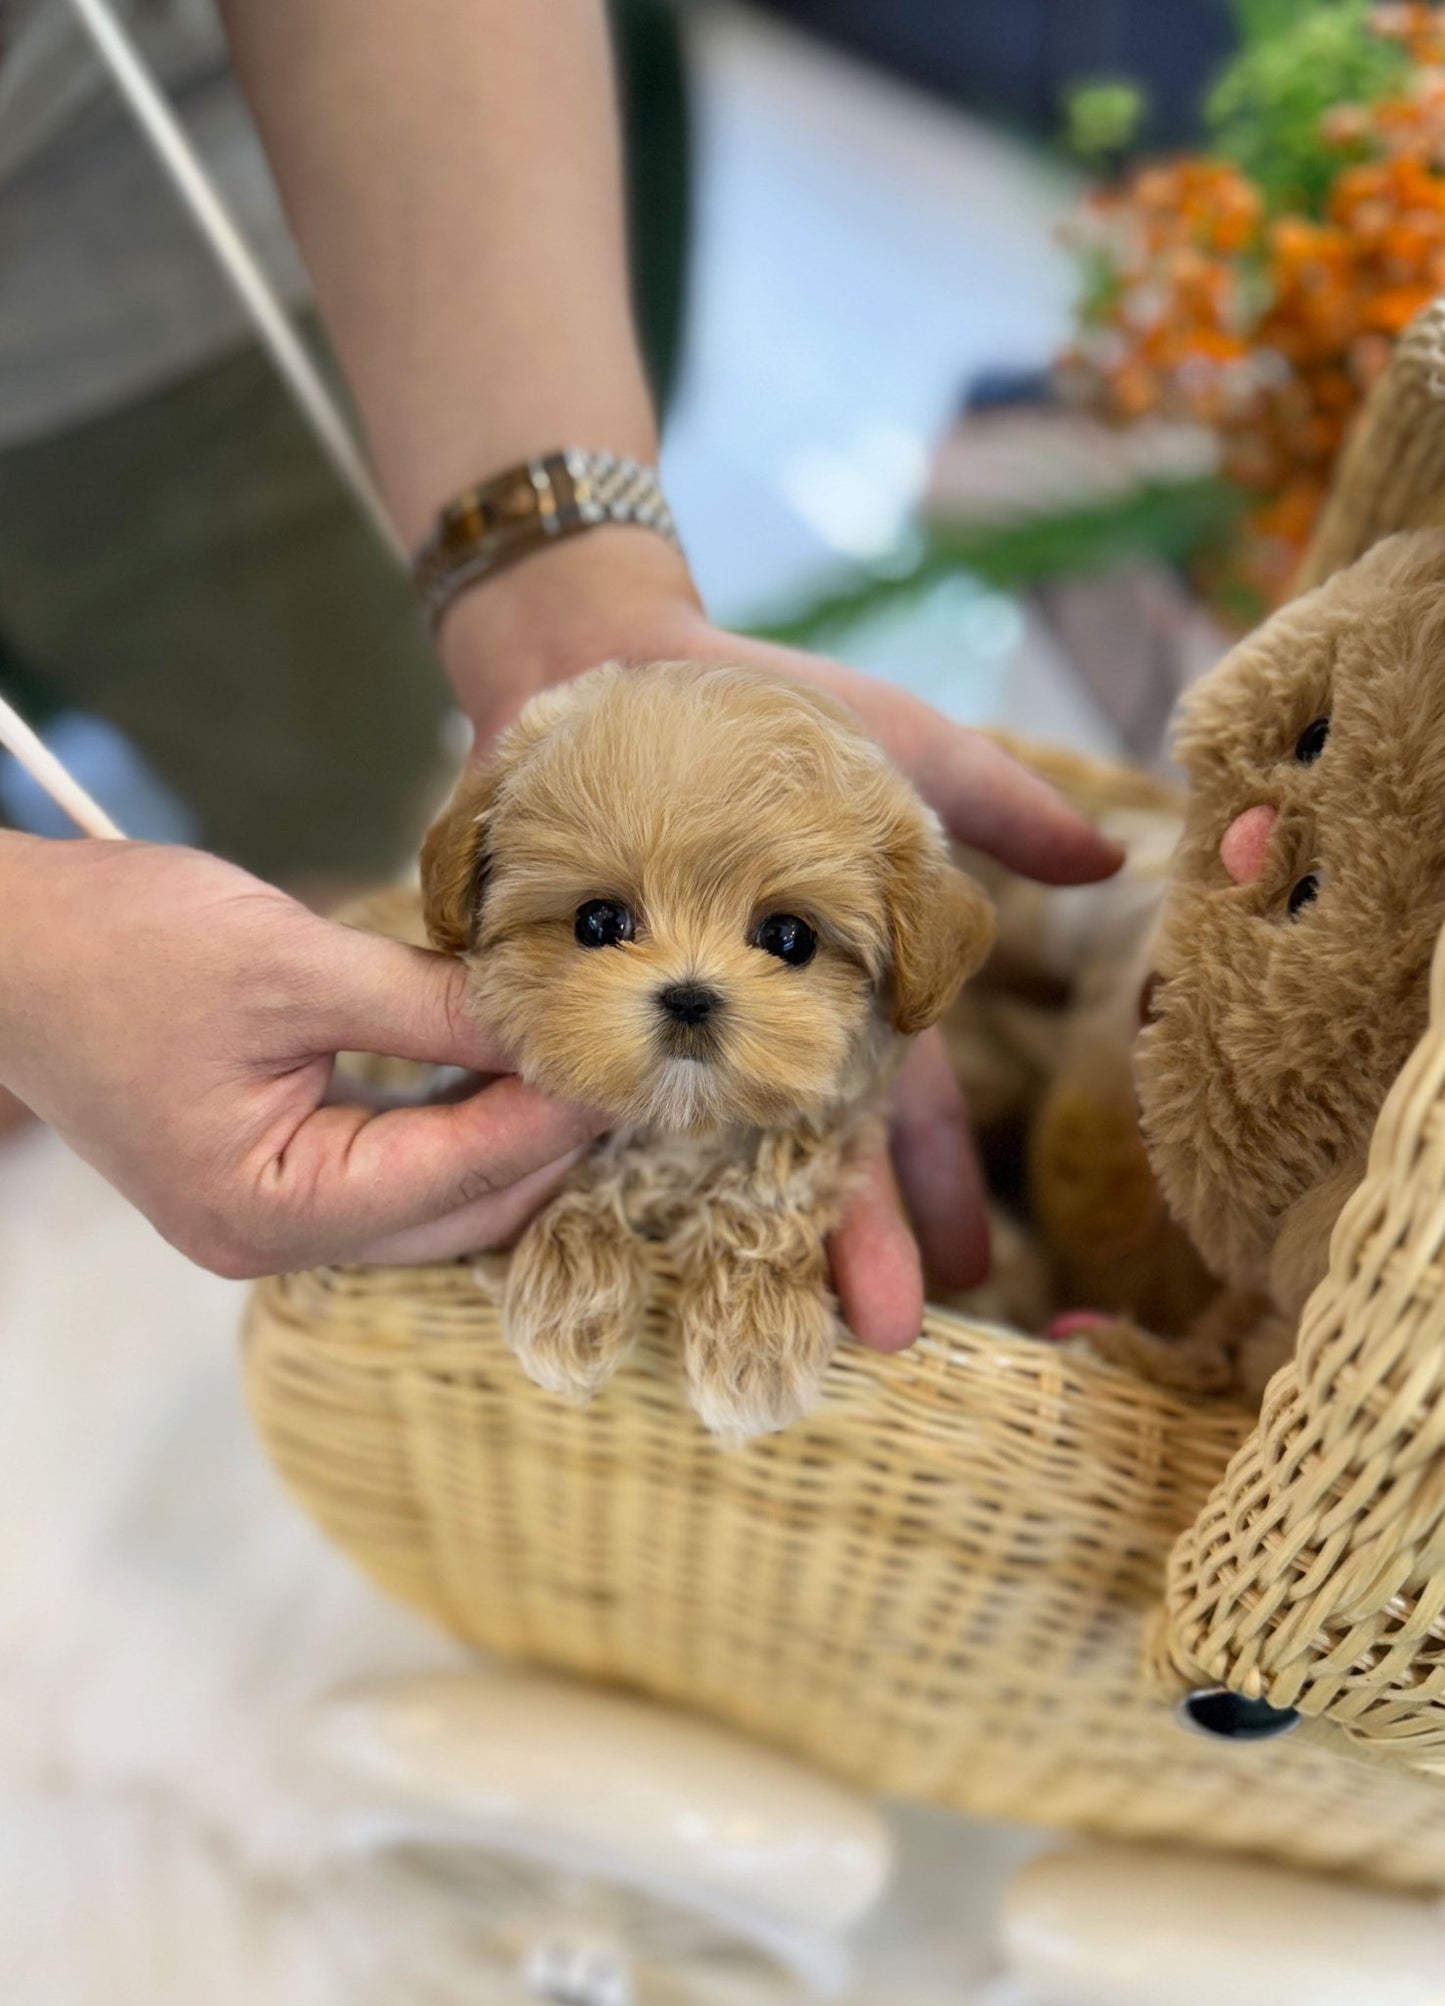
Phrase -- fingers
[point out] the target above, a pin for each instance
(876, 1269)
(378, 995)
(987, 799)
(347, 1180)
(938, 1167)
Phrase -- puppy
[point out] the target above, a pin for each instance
(700, 898)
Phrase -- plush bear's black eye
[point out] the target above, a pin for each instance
(1305, 893)
(791, 939)
(602, 923)
(1311, 741)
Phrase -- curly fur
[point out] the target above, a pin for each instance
(1277, 1038)
(704, 798)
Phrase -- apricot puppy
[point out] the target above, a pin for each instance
(701, 899)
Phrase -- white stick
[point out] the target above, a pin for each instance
(44, 768)
(254, 290)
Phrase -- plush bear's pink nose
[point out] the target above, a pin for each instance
(1245, 843)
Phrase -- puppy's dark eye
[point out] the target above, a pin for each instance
(1311, 741)
(1305, 893)
(602, 923)
(790, 939)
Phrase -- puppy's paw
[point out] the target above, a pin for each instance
(1199, 1363)
(575, 1296)
(756, 1340)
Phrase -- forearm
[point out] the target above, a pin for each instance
(15, 922)
(31, 918)
(54, 905)
(452, 173)
(452, 170)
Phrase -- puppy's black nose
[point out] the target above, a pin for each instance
(688, 1002)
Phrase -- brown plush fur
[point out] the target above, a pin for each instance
(1042, 1044)
(1096, 1201)
(704, 798)
(1275, 1038)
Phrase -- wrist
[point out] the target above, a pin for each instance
(31, 916)
(443, 462)
(23, 861)
(616, 590)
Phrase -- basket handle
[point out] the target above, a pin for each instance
(1314, 1576)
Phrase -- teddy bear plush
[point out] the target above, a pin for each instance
(1292, 963)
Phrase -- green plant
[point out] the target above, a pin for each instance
(1172, 522)
(1297, 61)
(1102, 116)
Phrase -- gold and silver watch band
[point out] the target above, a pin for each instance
(488, 526)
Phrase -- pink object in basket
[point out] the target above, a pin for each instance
(1075, 1323)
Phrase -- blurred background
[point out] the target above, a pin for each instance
(959, 384)
(846, 225)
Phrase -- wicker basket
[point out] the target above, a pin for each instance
(947, 1583)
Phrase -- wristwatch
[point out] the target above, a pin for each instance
(489, 526)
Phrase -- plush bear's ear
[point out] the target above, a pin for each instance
(454, 862)
(940, 927)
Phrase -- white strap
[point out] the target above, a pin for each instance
(258, 298)
(44, 768)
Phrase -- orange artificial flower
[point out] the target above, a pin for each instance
(1270, 331)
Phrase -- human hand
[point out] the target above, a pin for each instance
(618, 593)
(177, 1022)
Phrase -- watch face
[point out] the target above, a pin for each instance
(488, 525)
(515, 501)
(481, 512)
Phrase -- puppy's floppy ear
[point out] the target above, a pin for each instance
(454, 854)
(940, 926)
(454, 861)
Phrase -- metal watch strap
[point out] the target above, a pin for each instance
(488, 526)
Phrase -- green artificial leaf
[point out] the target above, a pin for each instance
(1298, 60)
(1174, 523)
(1102, 116)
